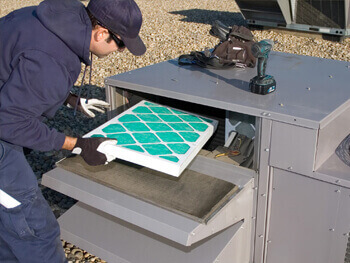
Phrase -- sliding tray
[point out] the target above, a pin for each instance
(193, 195)
(183, 210)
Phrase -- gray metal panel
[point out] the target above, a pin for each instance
(117, 241)
(224, 171)
(331, 135)
(334, 171)
(303, 215)
(285, 6)
(292, 102)
(293, 147)
(262, 188)
(342, 227)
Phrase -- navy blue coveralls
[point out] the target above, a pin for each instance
(41, 50)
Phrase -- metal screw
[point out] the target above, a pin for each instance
(263, 195)
(346, 234)
(261, 235)
(290, 168)
(337, 181)
(281, 104)
(253, 217)
(268, 241)
(267, 150)
(255, 188)
(330, 76)
(266, 114)
(332, 229)
(337, 191)
(308, 88)
(193, 233)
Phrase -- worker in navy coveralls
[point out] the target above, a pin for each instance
(41, 50)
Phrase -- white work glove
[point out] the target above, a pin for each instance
(86, 107)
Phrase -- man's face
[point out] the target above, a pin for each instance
(102, 44)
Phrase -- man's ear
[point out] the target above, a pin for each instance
(99, 34)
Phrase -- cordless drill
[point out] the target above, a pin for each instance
(262, 83)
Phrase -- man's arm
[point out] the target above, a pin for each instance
(36, 84)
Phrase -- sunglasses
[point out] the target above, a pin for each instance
(117, 40)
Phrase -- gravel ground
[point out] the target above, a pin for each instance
(170, 28)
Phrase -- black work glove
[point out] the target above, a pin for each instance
(88, 149)
(84, 106)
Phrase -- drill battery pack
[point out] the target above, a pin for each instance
(262, 85)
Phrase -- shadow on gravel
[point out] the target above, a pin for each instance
(209, 16)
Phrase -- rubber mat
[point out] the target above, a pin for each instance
(194, 195)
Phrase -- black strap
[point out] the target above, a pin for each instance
(200, 59)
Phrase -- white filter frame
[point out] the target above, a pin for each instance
(153, 161)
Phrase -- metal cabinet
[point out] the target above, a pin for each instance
(313, 227)
(322, 16)
(293, 204)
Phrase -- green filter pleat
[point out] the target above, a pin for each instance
(123, 138)
(156, 149)
(134, 147)
(128, 118)
(149, 117)
(207, 120)
(136, 126)
(170, 158)
(169, 137)
(190, 136)
(160, 110)
(146, 137)
(141, 109)
(177, 111)
(181, 126)
(113, 128)
(97, 135)
(190, 118)
(159, 127)
(170, 118)
(179, 148)
(199, 126)
(150, 104)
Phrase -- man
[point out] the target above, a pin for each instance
(41, 50)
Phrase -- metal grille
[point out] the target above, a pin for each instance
(323, 13)
(261, 10)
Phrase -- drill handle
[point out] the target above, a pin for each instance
(261, 66)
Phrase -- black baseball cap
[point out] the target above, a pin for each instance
(121, 17)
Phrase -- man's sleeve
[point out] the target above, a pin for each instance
(36, 83)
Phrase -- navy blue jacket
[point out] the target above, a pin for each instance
(41, 50)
